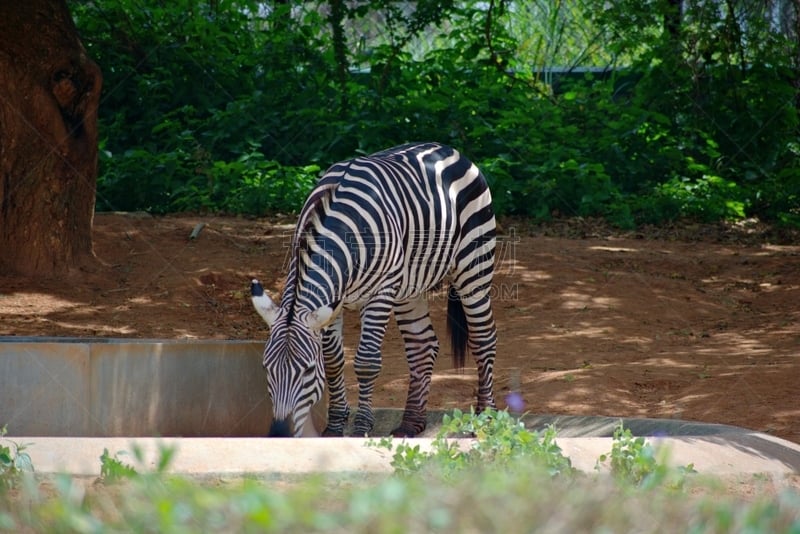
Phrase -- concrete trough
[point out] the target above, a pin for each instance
(131, 387)
(70, 398)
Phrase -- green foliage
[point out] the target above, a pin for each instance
(634, 461)
(14, 462)
(257, 186)
(484, 500)
(235, 105)
(500, 440)
(112, 469)
(494, 494)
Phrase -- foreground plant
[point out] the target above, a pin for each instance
(14, 462)
(633, 460)
(112, 469)
(476, 497)
(481, 498)
(499, 440)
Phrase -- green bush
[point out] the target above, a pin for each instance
(633, 460)
(232, 106)
(500, 440)
(504, 480)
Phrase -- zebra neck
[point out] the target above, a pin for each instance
(321, 279)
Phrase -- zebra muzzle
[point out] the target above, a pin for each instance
(280, 428)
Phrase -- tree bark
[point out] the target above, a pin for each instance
(49, 95)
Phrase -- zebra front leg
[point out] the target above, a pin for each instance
(374, 318)
(333, 353)
(422, 348)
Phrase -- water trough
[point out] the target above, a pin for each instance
(131, 387)
(72, 397)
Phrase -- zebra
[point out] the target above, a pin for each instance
(376, 234)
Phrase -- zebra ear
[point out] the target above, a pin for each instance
(320, 318)
(263, 304)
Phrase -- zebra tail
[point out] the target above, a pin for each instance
(457, 328)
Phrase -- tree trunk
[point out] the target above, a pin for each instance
(672, 19)
(49, 95)
(795, 28)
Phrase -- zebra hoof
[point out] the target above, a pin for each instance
(328, 433)
(363, 424)
(403, 432)
(361, 431)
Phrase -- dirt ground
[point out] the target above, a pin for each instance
(694, 322)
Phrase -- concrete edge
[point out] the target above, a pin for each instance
(260, 457)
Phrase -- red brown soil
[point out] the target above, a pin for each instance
(694, 322)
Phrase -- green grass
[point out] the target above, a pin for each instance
(509, 479)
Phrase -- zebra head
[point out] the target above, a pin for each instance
(293, 361)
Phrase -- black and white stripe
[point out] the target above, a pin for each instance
(376, 234)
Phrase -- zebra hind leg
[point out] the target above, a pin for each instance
(422, 348)
(482, 344)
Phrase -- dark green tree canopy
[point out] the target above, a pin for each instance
(635, 111)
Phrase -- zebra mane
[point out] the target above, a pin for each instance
(313, 210)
